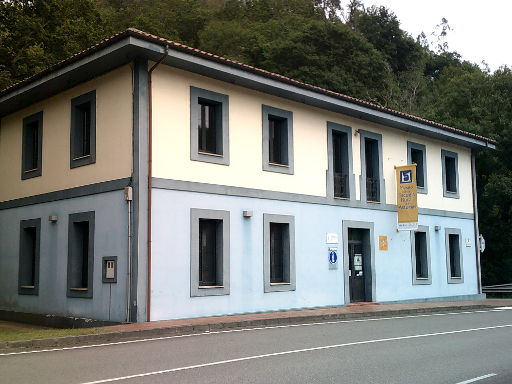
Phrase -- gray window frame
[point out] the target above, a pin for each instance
(91, 158)
(223, 120)
(195, 289)
(26, 290)
(415, 280)
(331, 127)
(278, 287)
(419, 147)
(267, 110)
(444, 154)
(363, 135)
(73, 218)
(35, 172)
(450, 279)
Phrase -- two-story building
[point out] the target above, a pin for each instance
(142, 179)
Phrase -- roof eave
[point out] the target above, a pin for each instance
(124, 47)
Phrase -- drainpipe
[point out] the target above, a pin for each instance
(150, 173)
(477, 231)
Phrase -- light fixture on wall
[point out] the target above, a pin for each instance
(247, 213)
(437, 228)
(53, 219)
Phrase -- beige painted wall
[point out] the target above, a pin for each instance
(113, 139)
(171, 144)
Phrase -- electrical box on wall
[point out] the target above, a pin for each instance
(110, 269)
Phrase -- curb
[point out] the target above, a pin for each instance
(68, 341)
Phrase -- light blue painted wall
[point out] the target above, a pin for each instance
(111, 239)
(317, 286)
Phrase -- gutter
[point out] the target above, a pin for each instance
(477, 230)
(150, 174)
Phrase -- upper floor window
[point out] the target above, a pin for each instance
(340, 177)
(32, 146)
(83, 130)
(416, 154)
(450, 174)
(372, 183)
(277, 140)
(209, 131)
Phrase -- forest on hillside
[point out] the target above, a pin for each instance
(345, 47)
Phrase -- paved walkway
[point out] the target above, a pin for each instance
(215, 323)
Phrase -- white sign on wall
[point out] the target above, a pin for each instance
(332, 238)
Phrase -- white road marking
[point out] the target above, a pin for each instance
(502, 308)
(477, 378)
(239, 330)
(295, 351)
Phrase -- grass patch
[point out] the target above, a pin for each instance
(27, 333)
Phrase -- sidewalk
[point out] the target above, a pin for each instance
(216, 323)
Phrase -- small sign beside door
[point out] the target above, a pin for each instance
(333, 258)
(383, 243)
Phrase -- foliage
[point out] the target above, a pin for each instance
(347, 48)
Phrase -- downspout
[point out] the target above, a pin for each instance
(150, 173)
(477, 231)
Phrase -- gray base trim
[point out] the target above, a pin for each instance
(91, 189)
(191, 186)
(478, 296)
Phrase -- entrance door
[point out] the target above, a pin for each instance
(356, 267)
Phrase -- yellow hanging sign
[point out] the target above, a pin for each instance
(406, 197)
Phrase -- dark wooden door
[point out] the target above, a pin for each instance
(356, 266)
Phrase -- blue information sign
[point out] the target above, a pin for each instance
(333, 257)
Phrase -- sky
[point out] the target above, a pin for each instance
(480, 30)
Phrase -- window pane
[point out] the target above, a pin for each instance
(340, 160)
(417, 158)
(29, 244)
(31, 146)
(371, 150)
(208, 128)
(278, 140)
(454, 246)
(209, 251)
(450, 174)
(80, 278)
(420, 242)
(82, 145)
(279, 249)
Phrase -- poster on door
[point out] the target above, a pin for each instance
(406, 197)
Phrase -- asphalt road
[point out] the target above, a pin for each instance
(463, 348)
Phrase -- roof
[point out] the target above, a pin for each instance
(131, 49)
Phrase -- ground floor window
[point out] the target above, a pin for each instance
(28, 273)
(454, 255)
(279, 253)
(209, 258)
(80, 254)
(420, 245)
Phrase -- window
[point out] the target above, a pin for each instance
(454, 255)
(279, 253)
(421, 256)
(450, 174)
(209, 263)
(372, 183)
(277, 140)
(209, 130)
(416, 154)
(32, 146)
(28, 273)
(340, 177)
(81, 254)
(83, 130)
